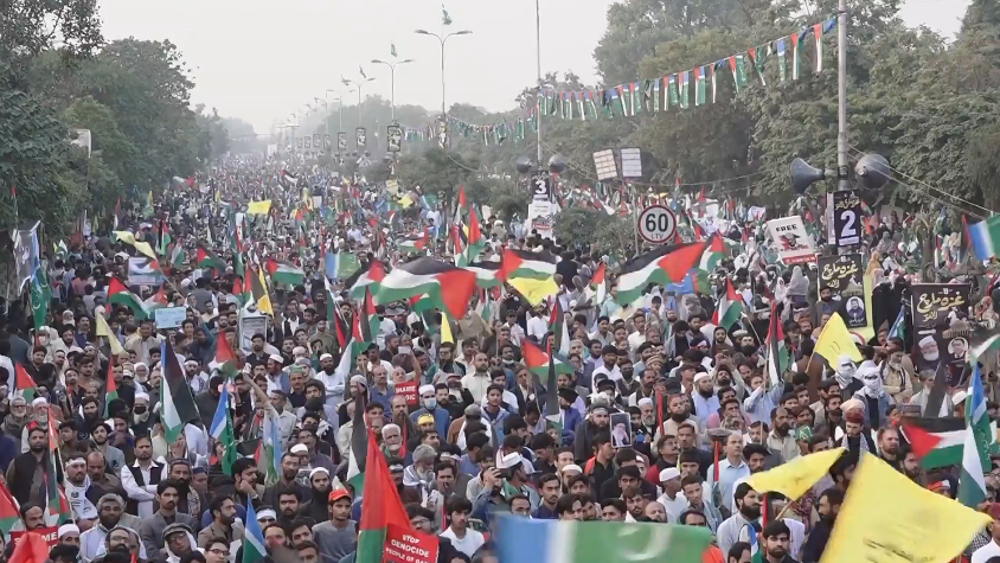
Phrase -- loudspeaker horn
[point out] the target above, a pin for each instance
(803, 175)
(872, 171)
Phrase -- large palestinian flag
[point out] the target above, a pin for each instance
(449, 286)
(525, 264)
(936, 441)
(730, 306)
(665, 265)
(413, 244)
(285, 273)
(487, 273)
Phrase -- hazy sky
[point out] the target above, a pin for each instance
(261, 60)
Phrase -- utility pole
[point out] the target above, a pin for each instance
(842, 157)
(392, 75)
(538, 61)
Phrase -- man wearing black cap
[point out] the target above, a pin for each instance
(570, 416)
(609, 367)
(208, 400)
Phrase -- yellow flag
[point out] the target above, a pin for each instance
(795, 478)
(886, 518)
(535, 291)
(144, 248)
(406, 201)
(264, 303)
(446, 335)
(104, 330)
(259, 207)
(125, 236)
(835, 341)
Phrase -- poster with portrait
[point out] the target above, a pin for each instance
(342, 142)
(394, 137)
(361, 138)
(621, 430)
(941, 327)
(791, 240)
(317, 141)
(327, 143)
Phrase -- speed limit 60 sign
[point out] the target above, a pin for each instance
(657, 224)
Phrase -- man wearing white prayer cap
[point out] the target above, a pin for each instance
(429, 406)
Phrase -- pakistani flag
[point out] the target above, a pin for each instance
(222, 431)
(340, 265)
(730, 307)
(285, 273)
(898, 329)
(975, 449)
(41, 296)
(253, 538)
(564, 541)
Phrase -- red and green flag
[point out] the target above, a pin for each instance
(24, 385)
(111, 389)
(9, 515)
(778, 355)
(207, 260)
(538, 361)
(730, 307)
(120, 295)
(381, 506)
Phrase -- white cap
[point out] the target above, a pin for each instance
(39, 402)
(669, 473)
(68, 529)
(701, 375)
(319, 470)
(276, 358)
(426, 389)
(572, 467)
(325, 357)
(509, 460)
(299, 449)
(959, 397)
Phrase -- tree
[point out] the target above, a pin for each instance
(30, 27)
(437, 172)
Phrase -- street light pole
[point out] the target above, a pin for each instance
(360, 84)
(442, 40)
(392, 75)
(538, 97)
(842, 158)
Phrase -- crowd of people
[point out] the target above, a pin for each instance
(662, 414)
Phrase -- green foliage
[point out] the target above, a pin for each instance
(438, 172)
(612, 235)
(30, 27)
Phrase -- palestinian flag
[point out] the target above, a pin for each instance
(225, 359)
(253, 538)
(665, 265)
(426, 275)
(111, 389)
(238, 291)
(176, 401)
(120, 295)
(349, 350)
(24, 385)
(712, 255)
(288, 180)
(57, 508)
(222, 430)
(207, 260)
(357, 463)
(176, 255)
(936, 441)
(526, 264)
(597, 290)
(9, 515)
(155, 301)
(284, 273)
(476, 244)
(487, 273)
(779, 357)
(144, 267)
(370, 277)
(553, 414)
(369, 323)
(334, 320)
(537, 361)
(729, 309)
(381, 506)
(413, 244)
(560, 333)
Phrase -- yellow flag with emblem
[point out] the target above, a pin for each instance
(102, 329)
(887, 518)
(535, 291)
(795, 478)
(835, 341)
(259, 207)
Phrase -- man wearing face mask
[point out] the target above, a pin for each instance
(898, 374)
(429, 405)
(141, 423)
(873, 394)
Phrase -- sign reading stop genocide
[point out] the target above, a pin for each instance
(657, 224)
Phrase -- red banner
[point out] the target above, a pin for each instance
(50, 535)
(408, 546)
(409, 390)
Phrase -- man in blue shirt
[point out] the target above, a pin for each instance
(549, 489)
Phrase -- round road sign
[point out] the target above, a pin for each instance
(657, 224)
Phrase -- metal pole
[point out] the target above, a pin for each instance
(538, 60)
(443, 112)
(340, 103)
(842, 158)
(360, 111)
(392, 79)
